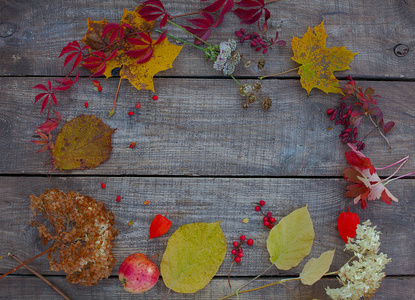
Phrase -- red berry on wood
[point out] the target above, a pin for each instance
(155, 97)
(86, 104)
(234, 251)
(235, 244)
(138, 105)
(262, 202)
(250, 242)
(266, 223)
(272, 220)
(242, 237)
(242, 30)
(257, 208)
(265, 219)
(118, 198)
(240, 254)
(269, 214)
(131, 113)
(100, 89)
(103, 185)
(271, 226)
(237, 259)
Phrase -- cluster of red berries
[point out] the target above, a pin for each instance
(342, 116)
(268, 219)
(258, 42)
(237, 251)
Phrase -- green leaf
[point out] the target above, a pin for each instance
(84, 142)
(291, 240)
(314, 269)
(193, 255)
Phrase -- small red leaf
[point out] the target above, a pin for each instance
(388, 126)
(159, 226)
(347, 224)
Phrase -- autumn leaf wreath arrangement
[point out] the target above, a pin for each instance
(80, 230)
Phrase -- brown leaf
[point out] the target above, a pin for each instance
(84, 142)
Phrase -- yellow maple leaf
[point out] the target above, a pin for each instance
(318, 62)
(139, 75)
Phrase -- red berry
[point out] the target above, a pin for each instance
(257, 48)
(238, 34)
(240, 250)
(235, 244)
(234, 251)
(155, 97)
(131, 113)
(272, 220)
(266, 223)
(265, 219)
(257, 208)
(86, 104)
(138, 105)
(242, 237)
(250, 242)
(118, 198)
(271, 226)
(240, 254)
(242, 30)
(100, 89)
(262, 202)
(246, 38)
(269, 214)
(330, 111)
(265, 51)
(103, 185)
(253, 44)
(237, 259)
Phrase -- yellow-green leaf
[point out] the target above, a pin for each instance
(314, 269)
(193, 255)
(318, 62)
(84, 142)
(291, 240)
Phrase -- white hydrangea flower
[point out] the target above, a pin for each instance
(226, 61)
(362, 277)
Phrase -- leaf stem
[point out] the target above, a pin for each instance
(380, 132)
(115, 99)
(255, 278)
(179, 39)
(270, 1)
(188, 14)
(28, 261)
(288, 71)
(184, 29)
(40, 276)
(229, 274)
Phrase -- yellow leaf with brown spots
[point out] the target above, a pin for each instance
(318, 62)
(84, 142)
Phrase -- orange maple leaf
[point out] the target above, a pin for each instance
(318, 62)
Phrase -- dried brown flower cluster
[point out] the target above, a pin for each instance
(82, 232)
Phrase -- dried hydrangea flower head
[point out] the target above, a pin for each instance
(361, 278)
(82, 232)
(226, 61)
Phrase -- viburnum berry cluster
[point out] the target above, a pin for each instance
(363, 104)
(237, 250)
(258, 42)
(268, 219)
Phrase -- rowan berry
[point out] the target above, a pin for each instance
(262, 202)
(250, 242)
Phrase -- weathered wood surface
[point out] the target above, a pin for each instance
(33, 32)
(209, 200)
(188, 133)
(22, 287)
(285, 156)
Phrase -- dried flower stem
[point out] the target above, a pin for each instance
(235, 80)
(288, 71)
(229, 274)
(28, 261)
(270, 1)
(40, 276)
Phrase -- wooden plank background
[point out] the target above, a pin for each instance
(201, 155)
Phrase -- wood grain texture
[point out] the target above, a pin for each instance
(210, 200)
(191, 132)
(13, 288)
(372, 28)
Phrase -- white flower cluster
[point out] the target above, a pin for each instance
(226, 61)
(362, 277)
